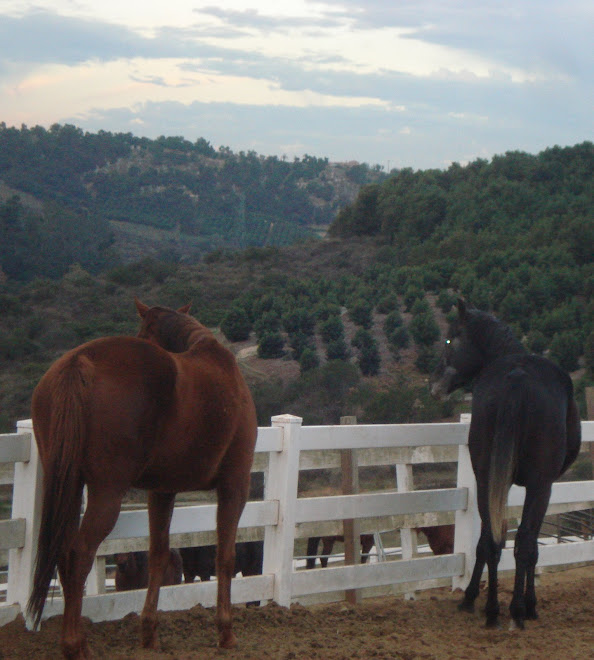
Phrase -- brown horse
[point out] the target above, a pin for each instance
(132, 570)
(440, 538)
(166, 411)
(328, 542)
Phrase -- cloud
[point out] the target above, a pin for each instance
(413, 82)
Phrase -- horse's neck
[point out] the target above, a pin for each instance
(198, 333)
(498, 342)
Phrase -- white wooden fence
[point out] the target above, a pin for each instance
(283, 449)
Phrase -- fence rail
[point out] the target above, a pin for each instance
(282, 517)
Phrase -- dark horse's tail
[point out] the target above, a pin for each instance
(64, 394)
(509, 426)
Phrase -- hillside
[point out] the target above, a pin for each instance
(347, 324)
(168, 198)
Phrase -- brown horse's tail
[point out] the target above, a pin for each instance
(64, 394)
(509, 426)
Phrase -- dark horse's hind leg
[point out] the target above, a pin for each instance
(472, 590)
(312, 551)
(523, 604)
(487, 552)
(160, 508)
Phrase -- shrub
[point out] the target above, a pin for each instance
(299, 342)
(299, 320)
(309, 360)
(363, 339)
(427, 359)
(361, 313)
(424, 329)
(271, 345)
(411, 295)
(236, 325)
(387, 303)
(536, 342)
(268, 322)
(589, 352)
(332, 329)
(566, 348)
(446, 300)
(337, 350)
(392, 321)
(399, 338)
(369, 360)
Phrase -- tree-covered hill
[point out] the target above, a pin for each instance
(169, 197)
(350, 324)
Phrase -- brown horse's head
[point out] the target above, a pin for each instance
(166, 327)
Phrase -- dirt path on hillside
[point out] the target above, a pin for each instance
(428, 628)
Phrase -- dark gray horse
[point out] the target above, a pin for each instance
(525, 429)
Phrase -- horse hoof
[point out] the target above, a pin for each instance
(518, 624)
(466, 607)
(227, 641)
(493, 623)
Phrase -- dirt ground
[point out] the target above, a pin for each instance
(430, 627)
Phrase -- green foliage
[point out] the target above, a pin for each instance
(403, 403)
(427, 359)
(337, 350)
(332, 329)
(361, 313)
(536, 342)
(369, 360)
(388, 303)
(321, 396)
(446, 300)
(268, 322)
(566, 347)
(399, 337)
(362, 339)
(589, 353)
(300, 342)
(309, 360)
(271, 345)
(236, 325)
(424, 329)
(392, 321)
(299, 321)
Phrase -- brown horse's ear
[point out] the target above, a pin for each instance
(141, 307)
(185, 309)
(461, 309)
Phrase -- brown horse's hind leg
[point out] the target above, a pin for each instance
(160, 508)
(100, 516)
(231, 500)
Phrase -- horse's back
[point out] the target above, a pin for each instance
(122, 384)
(540, 395)
(548, 388)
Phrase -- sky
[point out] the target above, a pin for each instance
(397, 83)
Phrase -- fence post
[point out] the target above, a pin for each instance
(351, 528)
(468, 522)
(281, 485)
(590, 415)
(26, 503)
(408, 537)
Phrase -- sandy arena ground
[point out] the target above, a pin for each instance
(430, 627)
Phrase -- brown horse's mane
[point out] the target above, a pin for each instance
(180, 332)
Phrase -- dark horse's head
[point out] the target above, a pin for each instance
(168, 328)
(477, 338)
